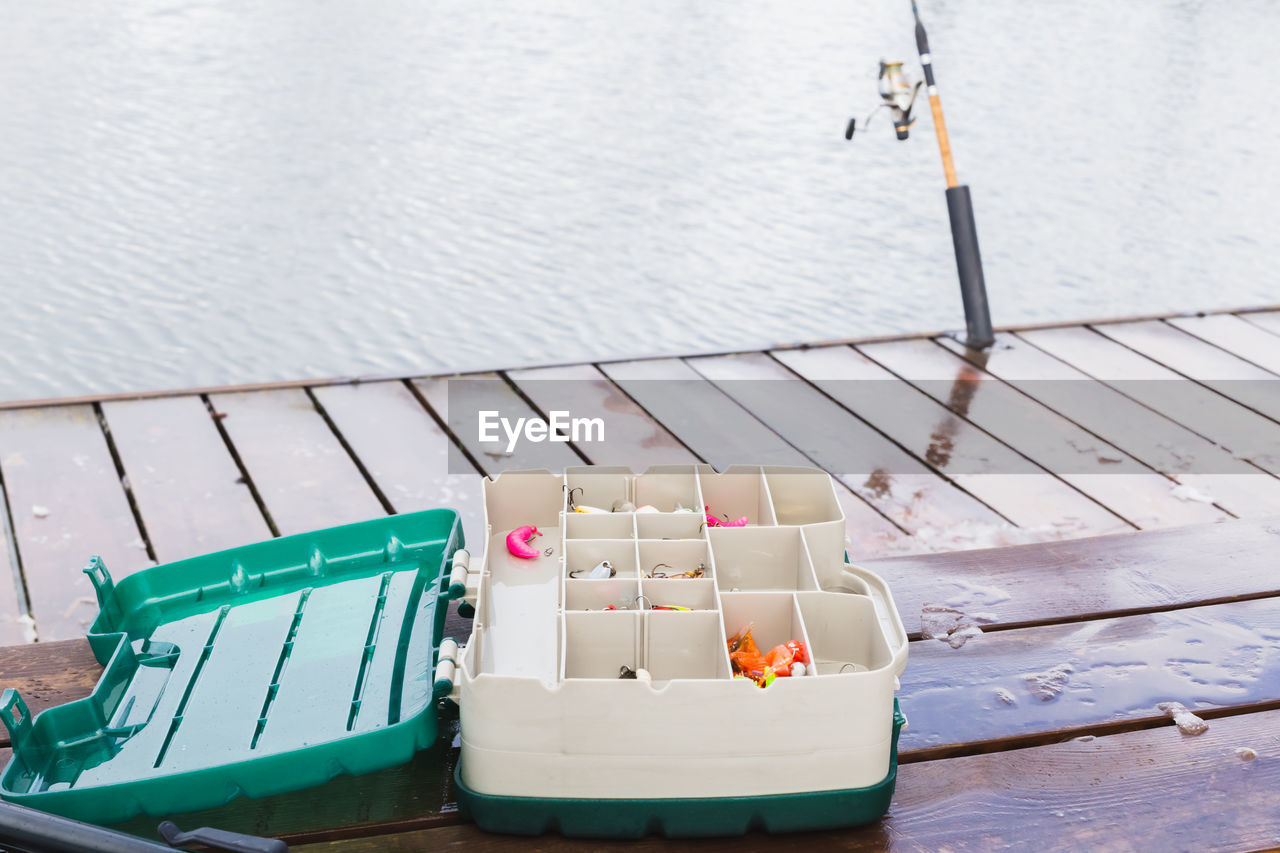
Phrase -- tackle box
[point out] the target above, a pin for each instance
(276, 666)
(254, 671)
(554, 739)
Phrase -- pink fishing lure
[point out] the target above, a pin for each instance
(518, 542)
(712, 521)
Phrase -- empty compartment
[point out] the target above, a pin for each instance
(668, 487)
(669, 525)
(685, 557)
(802, 495)
(583, 555)
(598, 645)
(826, 552)
(598, 487)
(694, 594)
(761, 558)
(844, 631)
(599, 525)
(519, 498)
(620, 593)
(685, 645)
(774, 618)
(740, 492)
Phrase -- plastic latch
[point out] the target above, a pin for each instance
(17, 724)
(446, 667)
(100, 578)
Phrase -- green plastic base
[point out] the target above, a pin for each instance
(683, 817)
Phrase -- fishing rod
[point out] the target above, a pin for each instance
(964, 231)
(897, 94)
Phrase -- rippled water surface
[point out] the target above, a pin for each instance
(198, 193)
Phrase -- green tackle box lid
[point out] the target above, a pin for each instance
(257, 670)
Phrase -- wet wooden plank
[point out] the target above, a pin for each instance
(1029, 683)
(48, 673)
(188, 489)
(870, 533)
(305, 477)
(1171, 448)
(1182, 351)
(895, 483)
(57, 459)
(1112, 477)
(488, 391)
(1222, 421)
(1268, 321)
(1250, 336)
(1152, 789)
(1085, 578)
(632, 439)
(706, 419)
(1017, 488)
(1215, 368)
(724, 433)
(413, 461)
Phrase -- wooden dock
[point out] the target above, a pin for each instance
(161, 477)
(1187, 611)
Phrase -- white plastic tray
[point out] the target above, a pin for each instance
(544, 712)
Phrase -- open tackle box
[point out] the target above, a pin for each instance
(279, 665)
(554, 738)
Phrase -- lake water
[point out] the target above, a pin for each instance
(196, 193)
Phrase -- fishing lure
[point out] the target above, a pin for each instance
(785, 660)
(692, 573)
(601, 570)
(712, 521)
(518, 542)
(574, 506)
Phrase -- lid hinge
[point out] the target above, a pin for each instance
(445, 686)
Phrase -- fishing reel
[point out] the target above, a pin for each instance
(896, 93)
